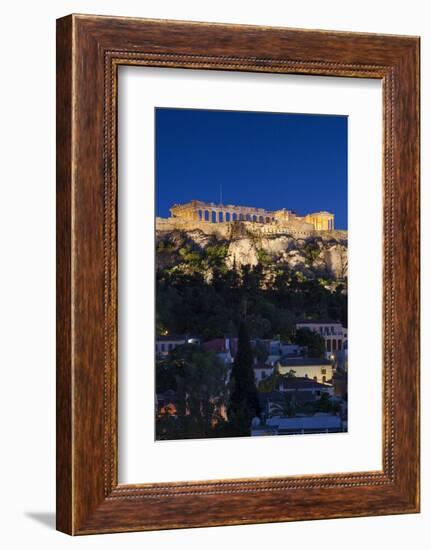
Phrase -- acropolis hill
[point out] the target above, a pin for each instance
(219, 219)
(248, 233)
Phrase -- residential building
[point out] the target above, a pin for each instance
(262, 371)
(316, 369)
(300, 385)
(167, 343)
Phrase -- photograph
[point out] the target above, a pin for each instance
(251, 274)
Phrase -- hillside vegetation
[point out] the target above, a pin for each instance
(205, 283)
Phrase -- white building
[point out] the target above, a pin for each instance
(262, 371)
(277, 349)
(165, 344)
(334, 334)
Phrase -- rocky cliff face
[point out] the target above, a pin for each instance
(311, 255)
(320, 254)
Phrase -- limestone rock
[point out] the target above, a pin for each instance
(242, 252)
(316, 254)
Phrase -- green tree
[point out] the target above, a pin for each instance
(271, 382)
(311, 252)
(314, 342)
(263, 257)
(285, 407)
(324, 404)
(198, 379)
(244, 401)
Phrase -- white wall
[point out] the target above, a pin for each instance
(27, 314)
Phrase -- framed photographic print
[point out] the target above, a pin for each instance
(237, 274)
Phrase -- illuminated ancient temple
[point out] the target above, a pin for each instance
(198, 211)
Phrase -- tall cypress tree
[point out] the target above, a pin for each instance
(244, 401)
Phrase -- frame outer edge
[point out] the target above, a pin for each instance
(64, 368)
(407, 279)
(81, 507)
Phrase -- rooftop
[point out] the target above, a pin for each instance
(176, 338)
(318, 322)
(220, 345)
(287, 361)
(305, 422)
(302, 382)
(171, 338)
(258, 366)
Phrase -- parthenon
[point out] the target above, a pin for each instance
(198, 211)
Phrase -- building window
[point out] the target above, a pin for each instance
(323, 371)
(323, 379)
(339, 345)
(328, 345)
(162, 347)
(263, 375)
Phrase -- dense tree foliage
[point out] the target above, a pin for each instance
(198, 380)
(314, 342)
(198, 294)
(244, 401)
(288, 406)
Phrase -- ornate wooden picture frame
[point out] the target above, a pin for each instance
(89, 51)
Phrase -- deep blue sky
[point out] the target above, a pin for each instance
(268, 160)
